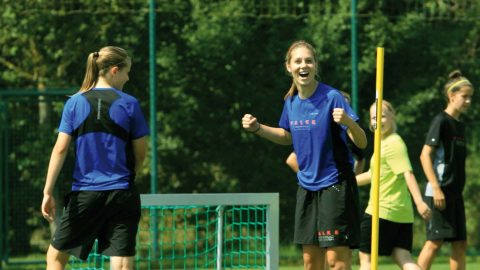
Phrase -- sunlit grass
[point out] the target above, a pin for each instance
(292, 261)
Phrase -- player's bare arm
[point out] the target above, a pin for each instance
(276, 135)
(355, 132)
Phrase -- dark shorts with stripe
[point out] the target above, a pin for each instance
(390, 235)
(110, 216)
(329, 217)
(450, 223)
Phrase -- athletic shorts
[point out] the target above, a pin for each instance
(329, 217)
(448, 224)
(110, 216)
(390, 235)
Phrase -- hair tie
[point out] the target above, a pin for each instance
(96, 54)
(457, 84)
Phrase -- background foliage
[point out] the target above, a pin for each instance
(217, 60)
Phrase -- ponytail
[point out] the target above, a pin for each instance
(98, 64)
(291, 92)
(91, 73)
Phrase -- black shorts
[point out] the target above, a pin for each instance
(329, 217)
(390, 235)
(110, 216)
(450, 223)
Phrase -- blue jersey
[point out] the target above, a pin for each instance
(319, 142)
(103, 122)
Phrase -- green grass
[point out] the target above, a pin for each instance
(291, 259)
(440, 263)
(291, 262)
(444, 266)
(436, 266)
(383, 266)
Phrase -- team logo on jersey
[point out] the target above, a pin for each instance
(308, 122)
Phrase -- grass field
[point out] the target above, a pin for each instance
(437, 266)
(293, 263)
(441, 263)
(294, 260)
(475, 266)
(444, 266)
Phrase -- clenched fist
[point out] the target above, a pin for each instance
(250, 123)
(340, 116)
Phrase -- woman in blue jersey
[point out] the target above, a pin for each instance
(443, 161)
(357, 153)
(316, 119)
(109, 132)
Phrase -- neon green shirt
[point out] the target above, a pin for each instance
(394, 197)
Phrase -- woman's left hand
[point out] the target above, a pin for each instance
(424, 211)
(340, 116)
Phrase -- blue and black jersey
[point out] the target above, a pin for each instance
(319, 142)
(103, 123)
(447, 136)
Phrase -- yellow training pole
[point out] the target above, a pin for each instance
(376, 156)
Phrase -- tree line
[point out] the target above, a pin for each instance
(217, 60)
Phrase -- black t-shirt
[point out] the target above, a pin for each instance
(357, 153)
(447, 135)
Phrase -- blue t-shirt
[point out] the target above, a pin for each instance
(103, 122)
(319, 142)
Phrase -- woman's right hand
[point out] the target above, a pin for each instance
(439, 198)
(250, 123)
(48, 207)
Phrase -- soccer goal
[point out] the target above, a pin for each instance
(203, 231)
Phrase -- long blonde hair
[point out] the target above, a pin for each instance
(98, 64)
(293, 88)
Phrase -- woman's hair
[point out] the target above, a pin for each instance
(455, 82)
(346, 95)
(387, 108)
(301, 43)
(98, 64)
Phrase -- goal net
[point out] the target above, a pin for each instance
(203, 231)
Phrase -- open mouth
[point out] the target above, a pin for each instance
(304, 74)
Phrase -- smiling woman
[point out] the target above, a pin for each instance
(301, 64)
(317, 120)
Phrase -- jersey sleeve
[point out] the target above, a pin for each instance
(284, 121)
(351, 113)
(139, 124)
(433, 135)
(66, 123)
(340, 102)
(396, 155)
